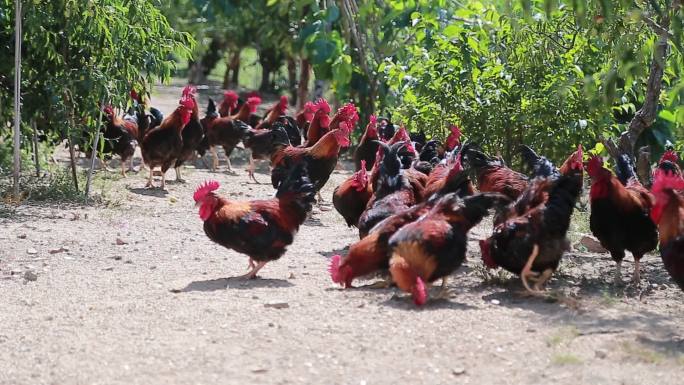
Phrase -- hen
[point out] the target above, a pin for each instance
(161, 145)
(261, 229)
(668, 213)
(434, 246)
(620, 212)
(351, 196)
(492, 173)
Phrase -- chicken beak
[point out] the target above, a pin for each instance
(198, 204)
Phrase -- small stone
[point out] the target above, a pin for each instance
(277, 304)
(259, 370)
(128, 261)
(173, 199)
(458, 371)
(292, 276)
(255, 297)
(271, 324)
(495, 302)
(591, 244)
(120, 242)
(117, 257)
(600, 354)
(30, 276)
(57, 251)
(31, 251)
(153, 267)
(109, 268)
(21, 236)
(531, 330)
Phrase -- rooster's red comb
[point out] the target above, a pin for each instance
(669, 155)
(190, 90)
(310, 107)
(373, 120)
(204, 189)
(230, 96)
(323, 106)
(107, 109)
(666, 180)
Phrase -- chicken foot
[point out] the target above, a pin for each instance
(252, 273)
(385, 283)
(150, 183)
(250, 169)
(179, 179)
(444, 292)
(215, 159)
(527, 270)
(636, 278)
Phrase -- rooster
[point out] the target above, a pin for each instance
(272, 114)
(668, 213)
(163, 143)
(620, 208)
(669, 162)
(351, 197)
(320, 124)
(262, 229)
(121, 135)
(392, 192)
(368, 146)
(371, 253)
(434, 246)
(305, 116)
(229, 105)
(531, 244)
(445, 174)
(454, 139)
(224, 132)
(492, 173)
(193, 134)
(321, 158)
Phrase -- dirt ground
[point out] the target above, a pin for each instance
(133, 292)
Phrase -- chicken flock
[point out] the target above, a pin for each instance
(412, 200)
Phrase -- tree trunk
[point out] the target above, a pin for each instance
(208, 61)
(647, 114)
(17, 98)
(233, 68)
(265, 76)
(93, 156)
(72, 161)
(304, 78)
(36, 156)
(292, 79)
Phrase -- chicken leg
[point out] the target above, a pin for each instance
(444, 292)
(618, 272)
(527, 270)
(123, 168)
(252, 273)
(150, 183)
(636, 278)
(250, 169)
(179, 179)
(215, 159)
(163, 181)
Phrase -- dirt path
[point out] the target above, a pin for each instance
(136, 294)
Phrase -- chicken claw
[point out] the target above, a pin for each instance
(252, 273)
(444, 292)
(383, 284)
(527, 270)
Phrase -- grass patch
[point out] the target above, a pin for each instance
(498, 277)
(643, 354)
(562, 336)
(579, 225)
(565, 359)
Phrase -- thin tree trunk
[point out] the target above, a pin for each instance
(72, 155)
(235, 67)
(36, 156)
(17, 97)
(292, 79)
(304, 78)
(226, 76)
(265, 75)
(93, 156)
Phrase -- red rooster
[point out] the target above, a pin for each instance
(161, 145)
(226, 132)
(620, 212)
(321, 158)
(668, 213)
(305, 116)
(368, 146)
(229, 104)
(320, 124)
(351, 197)
(434, 246)
(121, 135)
(262, 229)
(277, 110)
(669, 162)
(193, 134)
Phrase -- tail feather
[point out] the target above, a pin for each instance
(562, 199)
(624, 168)
(211, 109)
(298, 187)
(539, 165)
(157, 117)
